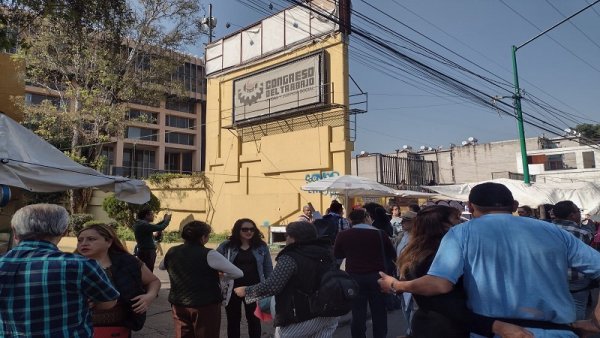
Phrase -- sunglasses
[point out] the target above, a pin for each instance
(247, 229)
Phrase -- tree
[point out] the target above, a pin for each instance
(589, 131)
(124, 213)
(97, 56)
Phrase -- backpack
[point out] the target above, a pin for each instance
(335, 294)
(334, 225)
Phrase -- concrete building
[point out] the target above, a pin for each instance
(277, 115)
(170, 138)
(550, 159)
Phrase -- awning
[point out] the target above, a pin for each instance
(29, 162)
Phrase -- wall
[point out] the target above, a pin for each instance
(12, 83)
(473, 163)
(257, 171)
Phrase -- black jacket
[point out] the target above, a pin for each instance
(127, 277)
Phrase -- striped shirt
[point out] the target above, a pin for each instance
(45, 292)
(577, 231)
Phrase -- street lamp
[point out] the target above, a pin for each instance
(517, 95)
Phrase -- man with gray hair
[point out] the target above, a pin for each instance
(46, 292)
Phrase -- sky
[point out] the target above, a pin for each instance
(561, 69)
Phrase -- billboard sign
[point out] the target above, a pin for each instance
(284, 88)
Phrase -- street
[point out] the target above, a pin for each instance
(159, 322)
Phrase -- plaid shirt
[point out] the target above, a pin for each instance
(44, 292)
(584, 235)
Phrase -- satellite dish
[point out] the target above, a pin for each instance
(422, 147)
(464, 143)
(429, 148)
(472, 139)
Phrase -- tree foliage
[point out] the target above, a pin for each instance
(96, 56)
(124, 213)
(589, 131)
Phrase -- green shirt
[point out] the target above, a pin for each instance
(143, 232)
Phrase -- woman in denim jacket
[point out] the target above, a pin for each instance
(248, 251)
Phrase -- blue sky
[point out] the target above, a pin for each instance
(564, 73)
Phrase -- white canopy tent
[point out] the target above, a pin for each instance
(350, 186)
(29, 162)
(586, 195)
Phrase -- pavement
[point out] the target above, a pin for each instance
(159, 321)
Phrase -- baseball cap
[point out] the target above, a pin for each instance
(491, 195)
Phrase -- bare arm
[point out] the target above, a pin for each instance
(141, 303)
(426, 286)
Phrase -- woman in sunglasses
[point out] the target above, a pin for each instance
(247, 250)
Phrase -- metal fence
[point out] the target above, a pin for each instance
(406, 173)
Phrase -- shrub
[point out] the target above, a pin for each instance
(218, 237)
(125, 233)
(171, 237)
(77, 221)
(124, 213)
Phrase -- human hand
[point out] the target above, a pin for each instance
(167, 217)
(585, 328)
(507, 330)
(141, 303)
(240, 291)
(385, 282)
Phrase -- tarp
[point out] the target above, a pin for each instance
(350, 186)
(585, 195)
(29, 162)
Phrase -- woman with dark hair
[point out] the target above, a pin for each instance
(195, 295)
(247, 250)
(380, 218)
(134, 281)
(444, 315)
(297, 274)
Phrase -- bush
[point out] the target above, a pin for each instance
(77, 221)
(218, 237)
(171, 237)
(125, 233)
(124, 213)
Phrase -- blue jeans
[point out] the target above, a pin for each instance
(369, 292)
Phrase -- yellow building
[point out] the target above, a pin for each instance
(277, 116)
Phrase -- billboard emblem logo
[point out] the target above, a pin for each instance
(250, 92)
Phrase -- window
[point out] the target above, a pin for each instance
(36, 99)
(185, 105)
(191, 76)
(142, 134)
(179, 138)
(180, 122)
(142, 116)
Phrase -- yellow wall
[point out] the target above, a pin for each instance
(261, 178)
(12, 84)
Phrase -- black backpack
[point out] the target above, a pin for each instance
(335, 294)
(328, 227)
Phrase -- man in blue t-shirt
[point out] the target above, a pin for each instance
(513, 267)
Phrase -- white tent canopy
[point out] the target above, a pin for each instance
(29, 162)
(350, 186)
(585, 195)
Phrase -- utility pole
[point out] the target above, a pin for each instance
(517, 102)
(517, 96)
(210, 23)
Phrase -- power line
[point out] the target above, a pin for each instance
(550, 37)
(574, 25)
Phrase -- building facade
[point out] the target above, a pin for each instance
(277, 115)
(165, 136)
(550, 159)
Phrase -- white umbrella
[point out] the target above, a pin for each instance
(29, 162)
(350, 186)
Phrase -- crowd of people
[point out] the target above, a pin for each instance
(497, 274)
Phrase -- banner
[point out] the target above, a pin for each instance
(287, 87)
